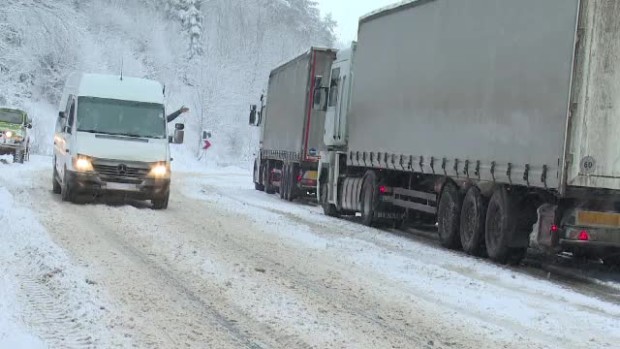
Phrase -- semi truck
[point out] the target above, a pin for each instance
(291, 130)
(498, 120)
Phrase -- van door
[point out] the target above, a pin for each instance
(63, 137)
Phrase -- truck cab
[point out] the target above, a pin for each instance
(15, 128)
(336, 98)
(111, 137)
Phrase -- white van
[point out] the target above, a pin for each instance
(112, 137)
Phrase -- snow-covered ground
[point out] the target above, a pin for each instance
(228, 267)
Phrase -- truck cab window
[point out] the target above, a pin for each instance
(333, 88)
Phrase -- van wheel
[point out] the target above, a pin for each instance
(473, 215)
(66, 191)
(500, 227)
(161, 203)
(56, 188)
(369, 198)
(449, 216)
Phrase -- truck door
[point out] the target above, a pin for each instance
(337, 104)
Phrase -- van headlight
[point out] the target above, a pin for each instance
(160, 170)
(83, 164)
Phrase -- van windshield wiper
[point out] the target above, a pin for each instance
(98, 132)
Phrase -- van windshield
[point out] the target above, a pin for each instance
(122, 118)
(12, 116)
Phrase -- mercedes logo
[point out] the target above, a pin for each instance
(122, 169)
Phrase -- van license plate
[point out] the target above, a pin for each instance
(121, 186)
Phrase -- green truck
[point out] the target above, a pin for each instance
(15, 128)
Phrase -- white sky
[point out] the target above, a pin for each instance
(348, 12)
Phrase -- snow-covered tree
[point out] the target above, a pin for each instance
(188, 12)
(166, 40)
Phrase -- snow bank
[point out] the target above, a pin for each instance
(13, 333)
(45, 298)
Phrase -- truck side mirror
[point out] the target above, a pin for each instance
(179, 127)
(319, 102)
(62, 114)
(253, 112)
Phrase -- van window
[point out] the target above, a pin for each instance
(122, 118)
(71, 118)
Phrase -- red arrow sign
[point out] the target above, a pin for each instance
(207, 145)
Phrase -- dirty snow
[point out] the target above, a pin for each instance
(227, 267)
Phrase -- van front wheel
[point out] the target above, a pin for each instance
(66, 189)
(161, 203)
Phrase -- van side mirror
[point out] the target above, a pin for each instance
(253, 113)
(62, 115)
(179, 134)
(29, 125)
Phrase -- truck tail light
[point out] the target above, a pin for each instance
(554, 229)
(382, 189)
(584, 236)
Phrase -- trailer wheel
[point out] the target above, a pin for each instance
(473, 216)
(269, 189)
(284, 183)
(448, 216)
(369, 198)
(501, 226)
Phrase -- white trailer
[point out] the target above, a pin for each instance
(496, 118)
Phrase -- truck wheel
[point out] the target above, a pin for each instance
(257, 185)
(56, 188)
(369, 198)
(66, 190)
(448, 216)
(18, 157)
(269, 189)
(473, 215)
(328, 209)
(284, 183)
(161, 203)
(291, 188)
(500, 228)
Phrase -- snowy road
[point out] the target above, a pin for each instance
(228, 267)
